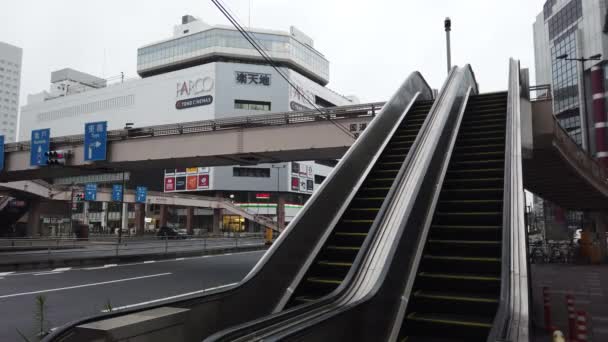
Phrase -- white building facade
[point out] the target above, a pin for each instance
(10, 83)
(202, 73)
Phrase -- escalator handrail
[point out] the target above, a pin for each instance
(511, 322)
(353, 300)
(346, 300)
(339, 187)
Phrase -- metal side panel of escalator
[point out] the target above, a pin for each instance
(336, 257)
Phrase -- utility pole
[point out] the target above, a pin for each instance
(448, 29)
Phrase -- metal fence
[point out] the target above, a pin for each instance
(277, 119)
(104, 246)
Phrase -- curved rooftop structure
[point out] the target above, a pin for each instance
(195, 42)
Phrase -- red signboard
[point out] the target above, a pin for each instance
(170, 184)
(203, 181)
(262, 196)
(191, 183)
(295, 183)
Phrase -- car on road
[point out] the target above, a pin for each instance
(170, 233)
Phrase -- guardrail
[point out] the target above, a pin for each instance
(103, 246)
(277, 119)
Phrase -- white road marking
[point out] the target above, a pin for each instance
(110, 265)
(149, 261)
(45, 273)
(62, 269)
(169, 298)
(2, 274)
(84, 285)
(180, 259)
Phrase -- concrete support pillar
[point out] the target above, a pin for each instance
(125, 216)
(140, 218)
(85, 213)
(217, 221)
(599, 114)
(601, 226)
(104, 216)
(281, 213)
(33, 218)
(164, 215)
(190, 220)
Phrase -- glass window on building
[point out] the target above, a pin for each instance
(233, 223)
(251, 172)
(251, 105)
(565, 84)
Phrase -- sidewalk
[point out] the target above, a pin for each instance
(585, 283)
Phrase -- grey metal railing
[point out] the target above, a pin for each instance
(24, 249)
(276, 119)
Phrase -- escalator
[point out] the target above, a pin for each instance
(457, 288)
(337, 255)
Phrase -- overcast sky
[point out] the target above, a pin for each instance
(371, 45)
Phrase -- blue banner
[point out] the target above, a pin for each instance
(90, 192)
(40, 145)
(95, 140)
(140, 194)
(117, 193)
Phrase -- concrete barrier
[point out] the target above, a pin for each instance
(134, 258)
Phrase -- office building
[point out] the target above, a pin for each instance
(575, 29)
(10, 83)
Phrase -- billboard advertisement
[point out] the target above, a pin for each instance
(187, 179)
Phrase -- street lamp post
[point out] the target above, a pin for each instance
(448, 28)
(278, 168)
(583, 101)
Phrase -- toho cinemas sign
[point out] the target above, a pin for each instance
(192, 93)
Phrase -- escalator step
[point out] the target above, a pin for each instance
(327, 281)
(468, 162)
(457, 327)
(334, 264)
(457, 297)
(343, 248)
(491, 133)
(480, 154)
(351, 234)
(462, 258)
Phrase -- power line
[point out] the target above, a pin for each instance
(269, 60)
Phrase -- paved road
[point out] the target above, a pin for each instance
(588, 286)
(75, 293)
(96, 250)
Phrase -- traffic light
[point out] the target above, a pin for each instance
(56, 157)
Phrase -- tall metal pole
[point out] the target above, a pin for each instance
(448, 28)
(583, 105)
(122, 204)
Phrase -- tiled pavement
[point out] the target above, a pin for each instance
(588, 285)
